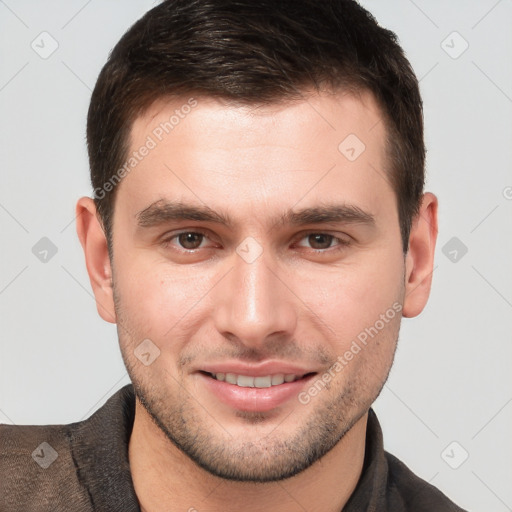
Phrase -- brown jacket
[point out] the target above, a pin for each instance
(84, 467)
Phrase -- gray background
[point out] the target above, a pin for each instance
(451, 380)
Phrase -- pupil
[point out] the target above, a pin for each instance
(324, 241)
(190, 240)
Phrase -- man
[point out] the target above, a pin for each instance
(258, 229)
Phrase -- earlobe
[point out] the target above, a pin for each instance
(419, 263)
(94, 243)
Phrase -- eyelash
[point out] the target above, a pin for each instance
(340, 245)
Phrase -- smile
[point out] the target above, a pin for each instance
(247, 381)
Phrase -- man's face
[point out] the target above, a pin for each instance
(310, 261)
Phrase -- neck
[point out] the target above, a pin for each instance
(165, 479)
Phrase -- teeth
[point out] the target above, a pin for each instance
(246, 381)
(231, 378)
(277, 379)
(263, 382)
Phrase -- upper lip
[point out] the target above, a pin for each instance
(256, 370)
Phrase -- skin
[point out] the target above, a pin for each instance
(303, 300)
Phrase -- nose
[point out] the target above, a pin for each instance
(253, 304)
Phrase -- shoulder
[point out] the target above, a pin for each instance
(414, 493)
(69, 467)
(37, 470)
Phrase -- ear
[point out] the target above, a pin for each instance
(419, 263)
(94, 243)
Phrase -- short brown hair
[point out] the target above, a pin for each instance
(259, 52)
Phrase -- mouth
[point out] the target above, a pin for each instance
(265, 381)
(254, 393)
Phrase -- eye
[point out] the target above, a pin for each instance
(322, 241)
(188, 240)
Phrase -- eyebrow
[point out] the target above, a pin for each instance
(163, 211)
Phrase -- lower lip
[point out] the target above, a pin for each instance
(254, 399)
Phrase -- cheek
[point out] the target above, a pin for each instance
(351, 299)
(157, 298)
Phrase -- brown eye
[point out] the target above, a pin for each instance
(190, 240)
(320, 240)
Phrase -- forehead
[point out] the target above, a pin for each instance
(312, 113)
(322, 147)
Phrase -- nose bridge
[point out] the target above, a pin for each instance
(254, 300)
(251, 304)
